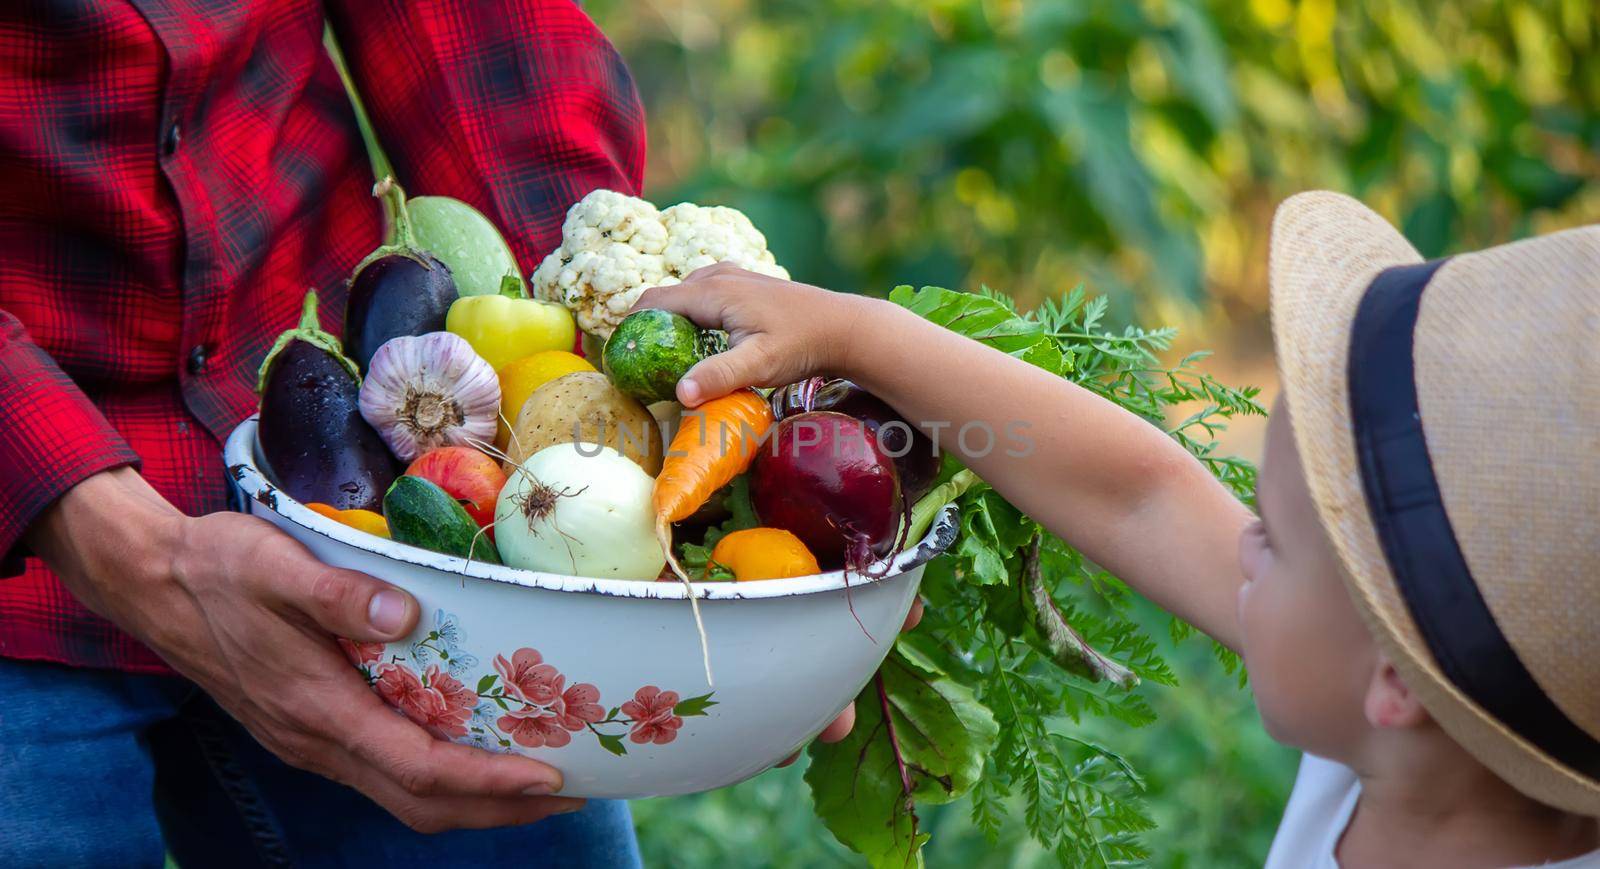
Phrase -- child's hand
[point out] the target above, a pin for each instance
(1104, 479)
(778, 331)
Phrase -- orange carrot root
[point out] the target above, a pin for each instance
(700, 462)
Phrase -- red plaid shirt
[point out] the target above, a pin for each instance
(175, 173)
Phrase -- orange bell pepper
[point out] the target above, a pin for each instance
(361, 520)
(764, 553)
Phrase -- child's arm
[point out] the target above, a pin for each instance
(1105, 480)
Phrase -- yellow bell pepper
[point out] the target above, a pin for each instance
(509, 326)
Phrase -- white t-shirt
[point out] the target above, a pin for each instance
(1319, 809)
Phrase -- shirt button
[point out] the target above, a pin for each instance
(169, 142)
(197, 359)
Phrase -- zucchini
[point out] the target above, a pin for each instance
(467, 242)
(422, 514)
(651, 350)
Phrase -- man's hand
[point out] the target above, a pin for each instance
(778, 331)
(250, 615)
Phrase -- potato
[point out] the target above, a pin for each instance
(584, 406)
(666, 414)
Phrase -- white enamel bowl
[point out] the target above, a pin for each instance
(594, 664)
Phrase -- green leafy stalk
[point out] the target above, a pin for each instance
(920, 735)
(696, 557)
(1023, 636)
(1065, 645)
(381, 167)
(929, 505)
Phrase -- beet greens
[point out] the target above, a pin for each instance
(1021, 631)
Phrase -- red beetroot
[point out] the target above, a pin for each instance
(824, 478)
(915, 455)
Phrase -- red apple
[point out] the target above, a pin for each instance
(466, 475)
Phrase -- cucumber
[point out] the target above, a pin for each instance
(651, 350)
(422, 514)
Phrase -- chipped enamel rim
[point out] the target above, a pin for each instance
(239, 455)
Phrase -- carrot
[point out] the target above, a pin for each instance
(715, 443)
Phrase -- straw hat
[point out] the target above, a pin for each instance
(1448, 416)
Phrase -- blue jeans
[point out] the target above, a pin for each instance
(108, 769)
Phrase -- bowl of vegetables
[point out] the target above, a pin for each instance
(654, 601)
(603, 678)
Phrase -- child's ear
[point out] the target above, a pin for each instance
(1389, 702)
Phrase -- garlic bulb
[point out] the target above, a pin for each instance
(429, 391)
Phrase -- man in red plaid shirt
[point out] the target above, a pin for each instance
(175, 174)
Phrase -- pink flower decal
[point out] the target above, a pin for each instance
(453, 692)
(535, 728)
(442, 707)
(580, 707)
(361, 653)
(437, 716)
(528, 678)
(653, 718)
(525, 702)
(397, 685)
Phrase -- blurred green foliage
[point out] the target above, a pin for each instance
(1137, 145)
(1216, 785)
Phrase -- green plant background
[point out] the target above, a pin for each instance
(1137, 146)
(1216, 788)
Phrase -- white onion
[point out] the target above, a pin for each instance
(579, 509)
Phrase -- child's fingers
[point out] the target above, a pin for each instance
(694, 299)
(718, 375)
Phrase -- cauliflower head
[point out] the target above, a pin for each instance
(699, 236)
(614, 246)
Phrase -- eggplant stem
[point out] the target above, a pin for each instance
(308, 312)
(1066, 646)
(664, 537)
(310, 331)
(397, 231)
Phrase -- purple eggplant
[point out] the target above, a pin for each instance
(915, 456)
(316, 445)
(398, 289)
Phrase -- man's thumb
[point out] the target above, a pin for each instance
(357, 607)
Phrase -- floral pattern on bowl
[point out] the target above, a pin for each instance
(525, 701)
